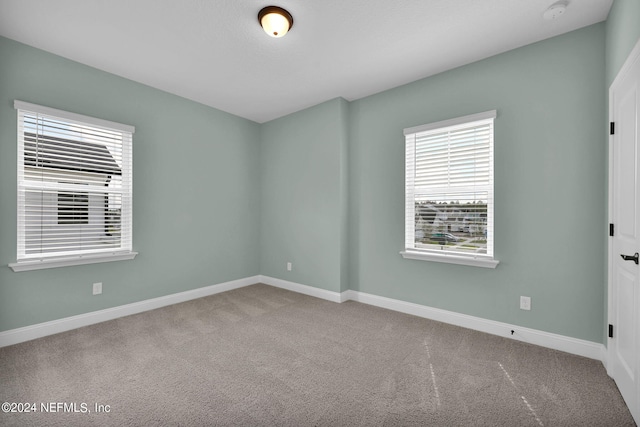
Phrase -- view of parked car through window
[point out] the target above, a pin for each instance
(461, 226)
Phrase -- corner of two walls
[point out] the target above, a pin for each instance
(333, 189)
(304, 195)
(622, 34)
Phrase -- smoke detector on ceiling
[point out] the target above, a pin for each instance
(556, 10)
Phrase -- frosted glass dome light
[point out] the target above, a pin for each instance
(275, 21)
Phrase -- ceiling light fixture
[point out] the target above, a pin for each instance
(556, 10)
(275, 21)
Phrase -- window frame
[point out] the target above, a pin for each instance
(445, 256)
(77, 256)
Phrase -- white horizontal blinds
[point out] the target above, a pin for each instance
(456, 158)
(74, 185)
(410, 206)
(449, 186)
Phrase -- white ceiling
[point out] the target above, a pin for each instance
(215, 52)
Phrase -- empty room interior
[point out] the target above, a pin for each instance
(382, 213)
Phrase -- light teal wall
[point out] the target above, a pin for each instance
(323, 188)
(196, 202)
(623, 32)
(303, 189)
(550, 175)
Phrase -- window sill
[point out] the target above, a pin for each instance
(451, 259)
(40, 264)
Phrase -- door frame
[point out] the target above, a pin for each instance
(634, 56)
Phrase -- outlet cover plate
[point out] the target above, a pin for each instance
(97, 288)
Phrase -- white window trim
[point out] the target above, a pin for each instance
(486, 261)
(73, 117)
(451, 258)
(88, 258)
(40, 264)
(452, 122)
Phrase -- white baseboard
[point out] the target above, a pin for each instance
(576, 346)
(15, 336)
(303, 289)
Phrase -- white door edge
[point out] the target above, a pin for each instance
(628, 65)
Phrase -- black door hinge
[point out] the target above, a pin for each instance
(610, 229)
(612, 128)
(610, 331)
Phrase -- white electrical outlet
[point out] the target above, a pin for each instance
(289, 266)
(525, 303)
(97, 288)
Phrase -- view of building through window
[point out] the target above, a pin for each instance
(457, 224)
(73, 208)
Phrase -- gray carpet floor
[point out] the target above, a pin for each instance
(262, 356)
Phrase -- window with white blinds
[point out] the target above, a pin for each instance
(449, 191)
(74, 187)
